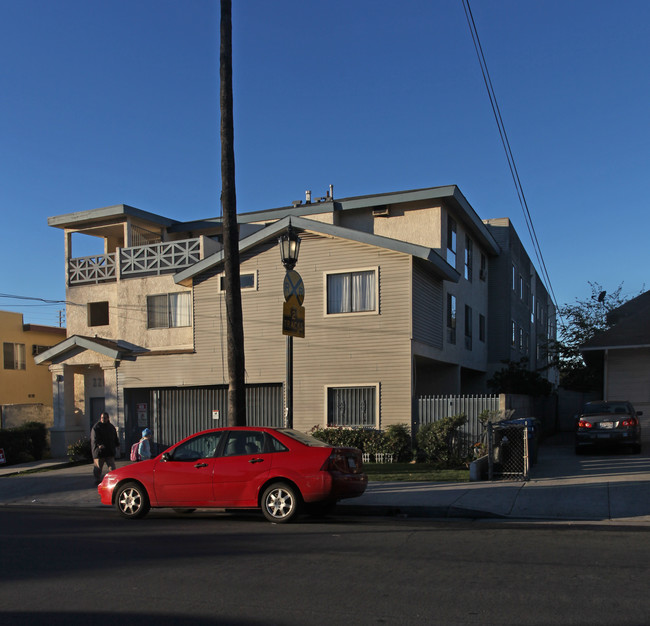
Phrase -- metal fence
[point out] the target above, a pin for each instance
(508, 456)
(433, 408)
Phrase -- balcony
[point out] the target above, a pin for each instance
(139, 261)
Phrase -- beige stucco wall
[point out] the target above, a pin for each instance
(127, 300)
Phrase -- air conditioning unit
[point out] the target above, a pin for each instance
(382, 211)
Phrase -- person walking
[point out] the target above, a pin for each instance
(144, 449)
(103, 442)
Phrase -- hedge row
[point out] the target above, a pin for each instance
(440, 443)
(24, 443)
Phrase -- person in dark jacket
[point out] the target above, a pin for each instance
(103, 442)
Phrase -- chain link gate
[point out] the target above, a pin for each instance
(508, 452)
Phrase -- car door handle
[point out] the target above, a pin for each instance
(255, 460)
(201, 465)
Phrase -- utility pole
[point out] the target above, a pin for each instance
(235, 324)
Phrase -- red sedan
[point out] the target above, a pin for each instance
(275, 469)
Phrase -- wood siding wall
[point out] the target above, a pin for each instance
(355, 349)
(428, 321)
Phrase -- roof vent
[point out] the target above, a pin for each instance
(308, 196)
(296, 203)
(381, 211)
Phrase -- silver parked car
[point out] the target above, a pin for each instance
(608, 424)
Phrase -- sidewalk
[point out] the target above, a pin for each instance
(595, 487)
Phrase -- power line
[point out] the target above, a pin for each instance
(509, 156)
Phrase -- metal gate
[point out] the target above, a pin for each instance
(508, 452)
(176, 412)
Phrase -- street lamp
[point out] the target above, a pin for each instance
(289, 248)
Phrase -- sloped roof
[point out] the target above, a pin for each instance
(102, 346)
(450, 194)
(631, 329)
(302, 224)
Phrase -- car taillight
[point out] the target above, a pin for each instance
(340, 461)
(584, 424)
(630, 421)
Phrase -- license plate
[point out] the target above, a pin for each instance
(607, 424)
(604, 435)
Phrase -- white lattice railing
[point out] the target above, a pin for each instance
(92, 269)
(159, 258)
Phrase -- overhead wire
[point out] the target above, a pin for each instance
(509, 155)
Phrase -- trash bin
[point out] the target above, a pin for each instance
(533, 430)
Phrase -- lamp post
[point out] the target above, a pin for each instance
(293, 295)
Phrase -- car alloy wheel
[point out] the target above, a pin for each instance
(132, 501)
(280, 503)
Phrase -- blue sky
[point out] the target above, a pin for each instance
(110, 102)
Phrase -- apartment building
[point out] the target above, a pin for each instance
(397, 305)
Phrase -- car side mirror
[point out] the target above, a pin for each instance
(166, 457)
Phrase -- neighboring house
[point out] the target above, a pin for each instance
(397, 300)
(625, 351)
(25, 389)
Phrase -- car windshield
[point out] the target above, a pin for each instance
(606, 407)
(307, 440)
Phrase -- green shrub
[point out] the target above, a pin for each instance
(24, 443)
(441, 442)
(397, 441)
(37, 433)
(80, 450)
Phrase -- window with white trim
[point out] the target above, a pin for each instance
(247, 281)
(169, 310)
(352, 406)
(352, 292)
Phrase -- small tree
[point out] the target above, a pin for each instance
(582, 321)
(515, 377)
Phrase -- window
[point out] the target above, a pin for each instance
(451, 318)
(451, 241)
(97, 313)
(246, 281)
(14, 356)
(242, 442)
(483, 272)
(169, 310)
(200, 447)
(352, 292)
(469, 258)
(514, 277)
(351, 406)
(481, 327)
(468, 327)
(36, 350)
(513, 339)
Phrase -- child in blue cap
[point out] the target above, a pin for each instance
(144, 449)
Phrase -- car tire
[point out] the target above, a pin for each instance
(184, 511)
(280, 503)
(132, 501)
